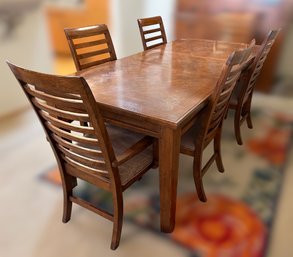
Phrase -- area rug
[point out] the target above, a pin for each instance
(237, 220)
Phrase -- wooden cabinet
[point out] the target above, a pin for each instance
(242, 19)
(87, 12)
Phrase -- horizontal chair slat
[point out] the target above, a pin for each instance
(223, 99)
(150, 21)
(78, 149)
(220, 105)
(73, 104)
(94, 53)
(67, 125)
(60, 113)
(87, 174)
(215, 117)
(252, 84)
(89, 33)
(232, 80)
(69, 136)
(90, 64)
(90, 43)
(96, 164)
(59, 93)
(234, 72)
(215, 122)
(153, 38)
(149, 31)
(224, 94)
(155, 45)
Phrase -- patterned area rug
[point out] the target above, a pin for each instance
(237, 219)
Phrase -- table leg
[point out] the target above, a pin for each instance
(169, 149)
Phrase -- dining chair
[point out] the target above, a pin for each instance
(208, 126)
(108, 157)
(90, 46)
(152, 32)
(242, 94)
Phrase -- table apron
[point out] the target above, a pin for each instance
(132, 122)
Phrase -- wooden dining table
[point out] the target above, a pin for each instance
(159, 92)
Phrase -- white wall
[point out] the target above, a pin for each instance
(124, 29)
(28, 46)
(164, 8)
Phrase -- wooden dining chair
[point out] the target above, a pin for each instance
(152, 32)
(242, 94)
(90, 46)
(108, 157)
(208, 126)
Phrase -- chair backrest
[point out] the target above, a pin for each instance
(249, 77)
(219, 101)
(90, 45)
(63, 104)
(152, 32)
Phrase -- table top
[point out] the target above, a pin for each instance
(165, 84)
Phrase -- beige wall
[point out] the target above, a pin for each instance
(27, 46)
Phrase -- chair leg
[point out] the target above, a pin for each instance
(226, 113)
(246, 109)
(217, 150)
(249, 122)
(118, 219)
(67, 207)
(69, 183)
(197, 176)
(156, 154)
(237, 118)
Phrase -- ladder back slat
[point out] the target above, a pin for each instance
(60, 113)
(90, 43)
(86, 141)
(150, 31)
(153, 38)
(94, 53)
(67, 104)
(90, 64)
(67, 125)
(101, 174)
(77, 148)
(86, 161)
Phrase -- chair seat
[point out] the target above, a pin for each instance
(122, 139)
(187, 141)
(135, 166)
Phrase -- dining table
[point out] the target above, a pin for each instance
(159, 93)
